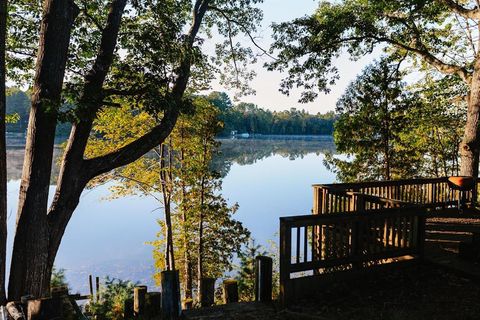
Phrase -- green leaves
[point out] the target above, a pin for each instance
(424, 30)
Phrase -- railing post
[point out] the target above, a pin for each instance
(360, 203)
(420, 234)
(317, 200)
(357, 230)
(285, 260)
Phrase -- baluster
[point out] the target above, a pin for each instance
(298, 246)
(305, 244)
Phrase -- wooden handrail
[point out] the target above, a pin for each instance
(366, 184)
(430, 193)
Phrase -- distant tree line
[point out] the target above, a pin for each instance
(250, 118)
(242, 117)
(18, 104)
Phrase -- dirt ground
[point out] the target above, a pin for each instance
(413, 292)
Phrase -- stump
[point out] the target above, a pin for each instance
(230, 291)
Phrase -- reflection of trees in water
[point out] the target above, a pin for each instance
(249, 151)
(15, 157)
(240, 151)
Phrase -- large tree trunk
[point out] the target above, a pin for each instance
(30, 250)
(469, 149)
(3, 153)
(74, 175)
(39, 235)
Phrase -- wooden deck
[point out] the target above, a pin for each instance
(360, 226)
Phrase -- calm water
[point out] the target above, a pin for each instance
(269, 178)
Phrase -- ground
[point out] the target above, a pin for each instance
(422, 291)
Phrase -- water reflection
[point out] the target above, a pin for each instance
(249, 151)
(268, 177)
(239, 151)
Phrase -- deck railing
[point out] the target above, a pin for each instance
(315, 245)
(432, 193)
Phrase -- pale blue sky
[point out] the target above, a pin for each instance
(267, 83)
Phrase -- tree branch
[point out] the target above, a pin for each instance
(461, 10)
(441, 66)
(158, 134)
(244, 28)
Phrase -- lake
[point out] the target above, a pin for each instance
(268, 177)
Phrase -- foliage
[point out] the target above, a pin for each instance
(195, 186)
(58, 278)
(246, 270)
(389, 131)
(18, 110)
(433, 33)
(113, 293)
(436, 126)
(12, 118)
(371, 119)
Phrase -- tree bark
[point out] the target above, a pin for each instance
(30, 250)
(3, 153)
(165, 182)
(469, 148)
(73, 176)
(187, 268)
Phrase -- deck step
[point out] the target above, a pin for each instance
(448, 236)
(453, 227)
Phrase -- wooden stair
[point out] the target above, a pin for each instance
(449, 232)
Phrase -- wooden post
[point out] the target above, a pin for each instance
(230, 291)
(139, 294)
(128, 309)
(208, 292)
(421, 234)
(153, 301)
(285, 260)
(170, 283)
(263, 278)
(90, 284)
(45, 309)
(97, 287)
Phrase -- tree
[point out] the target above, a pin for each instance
(246, 272)
(392, 131)
(371, 119)
(201, 228)
(3, 153)
(435, 34)
(435, 128)
(152, 73)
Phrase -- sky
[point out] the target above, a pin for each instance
(267, 83)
